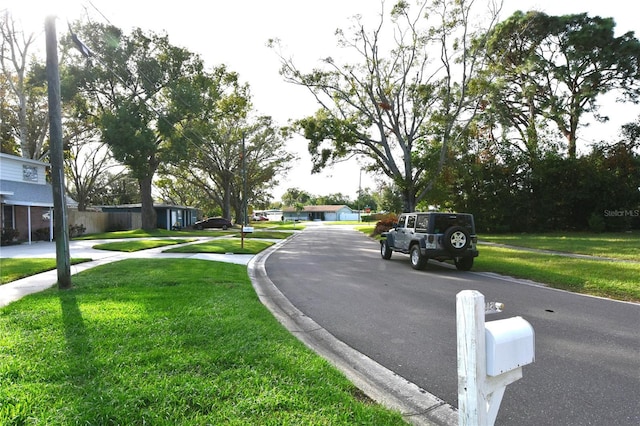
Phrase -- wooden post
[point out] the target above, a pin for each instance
(479, 395)
(470, 307)
(63, 262)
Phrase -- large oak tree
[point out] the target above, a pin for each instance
(143, 90)
(404, 99)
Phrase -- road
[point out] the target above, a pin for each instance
(587, 368)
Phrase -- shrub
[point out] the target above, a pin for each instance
(385, 223)
(596, 223)
(41, 234)
(374, 217)
(76, 230)
(9, 235)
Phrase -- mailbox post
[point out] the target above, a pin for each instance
(490, 357)
(245, 230)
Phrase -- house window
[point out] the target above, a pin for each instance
(29, 173)
(7, 216)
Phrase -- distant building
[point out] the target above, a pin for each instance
(168, 216)
(331, 213)
(274, 215)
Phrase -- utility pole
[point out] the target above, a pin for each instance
(61, 233)
(244, 194)
(244, 183)
(359, 193)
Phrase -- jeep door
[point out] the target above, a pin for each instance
(400, 233)
(405, 234)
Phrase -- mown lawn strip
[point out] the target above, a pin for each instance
(12, 269)
(224, 245)
(137, 245)
(618, 280)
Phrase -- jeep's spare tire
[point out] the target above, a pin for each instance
(456, 239)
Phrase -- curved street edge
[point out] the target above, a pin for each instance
(416, 405)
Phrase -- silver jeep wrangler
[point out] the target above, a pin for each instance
(439, 236)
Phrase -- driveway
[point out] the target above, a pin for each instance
(587, 368)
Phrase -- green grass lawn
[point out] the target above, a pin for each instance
(613, 245)
(267, 234)
(225, 245)
(157, 233)
(15, 268)
(366, 229)
(282, 226)
(137, 245)
(616, 280)
(165, 342)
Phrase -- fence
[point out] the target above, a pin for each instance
(95, 222)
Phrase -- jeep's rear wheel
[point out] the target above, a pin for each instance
(385, 251)
(456, 239)
(463, 263)
(417, 260)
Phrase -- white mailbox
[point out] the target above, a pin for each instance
(509, 345)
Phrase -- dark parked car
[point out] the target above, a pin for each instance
(213, 222)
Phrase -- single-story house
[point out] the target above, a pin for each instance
(322, 213)
(168, 216)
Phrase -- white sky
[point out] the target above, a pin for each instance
(235, 32)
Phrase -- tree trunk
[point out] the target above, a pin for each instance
(408, 201)
(226, 200)
(149, 220)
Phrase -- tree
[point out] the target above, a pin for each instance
(24, 90)
(86, 165)
(218, 171)
(292, 196)
(7, 121)
(265, 160)
(180, 192)
(389, 198)
(366, 199)
(395, 108)
(555, 68)
(114, 189)
(230, 147)
(332, 199)
(143, 91)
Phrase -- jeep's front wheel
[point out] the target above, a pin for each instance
(417, 260)
(456, 239)
(385, 251)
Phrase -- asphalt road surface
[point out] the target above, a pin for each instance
(587, 367)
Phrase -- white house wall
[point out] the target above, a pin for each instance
(20, 169)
